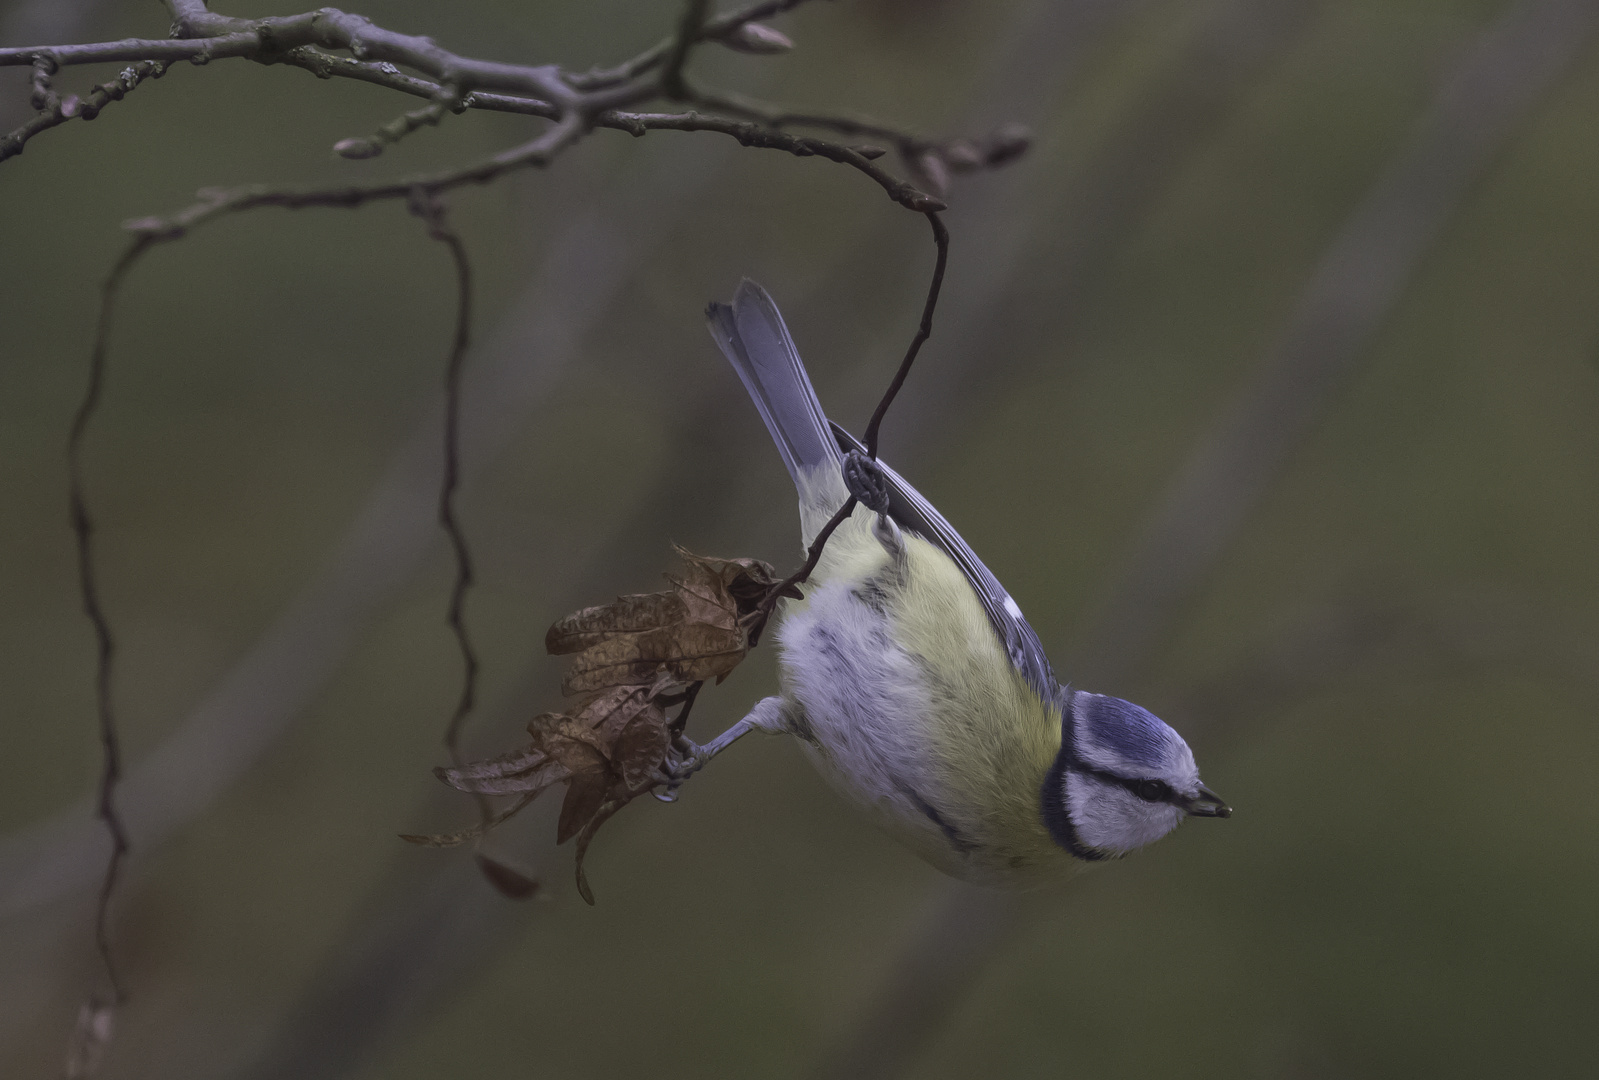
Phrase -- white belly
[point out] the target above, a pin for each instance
(863, 703)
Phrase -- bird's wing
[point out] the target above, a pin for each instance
(910, 511)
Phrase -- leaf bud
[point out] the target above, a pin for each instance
(757, 39)
(1008, 143)
(961, 155)
(933, 173)
(357, 149)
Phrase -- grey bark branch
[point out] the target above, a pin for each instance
(577, 103)
(55, 110)
(217, 202)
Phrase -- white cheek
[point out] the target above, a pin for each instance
(1109, 817)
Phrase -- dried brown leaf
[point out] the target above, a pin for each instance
(451, 839)
(609, 712)
(630, 660)
(629, 614)
(492, 768)
(536, 780)
(695, 632)
(687, 652)
(584, 838)
(585, 794)
(576, 746)
(704, 597)
(639, 752)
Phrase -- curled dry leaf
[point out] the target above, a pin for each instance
(699, 630)
(631, 660)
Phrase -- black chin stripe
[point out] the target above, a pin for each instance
(1057, 819)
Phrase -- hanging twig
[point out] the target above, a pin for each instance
(510, 882)
(97, 1015)
(789, 586)
(923, 332)
(432, 212)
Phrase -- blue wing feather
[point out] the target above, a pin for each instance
(911, 511)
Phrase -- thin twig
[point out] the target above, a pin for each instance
(432, 212)
(800, 576)
(715, 27)
(688, 31)
(749, 133)
(55, 110)
(923, 332)
(399, 128)
(216, 202)
(777, 117)
(689, 696)
(105, 651)
(510, 882)
(537, 153)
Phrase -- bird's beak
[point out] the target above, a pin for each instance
(1208, 804)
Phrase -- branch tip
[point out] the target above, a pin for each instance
(756, 39)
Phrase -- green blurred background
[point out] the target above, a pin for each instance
(1390, 670)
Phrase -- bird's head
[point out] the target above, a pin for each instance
(1123, 779)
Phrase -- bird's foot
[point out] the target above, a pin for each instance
(865, 480)
(683, 759)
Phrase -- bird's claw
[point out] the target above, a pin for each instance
(683, 760)
(865, 480)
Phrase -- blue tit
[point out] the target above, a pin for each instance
(914, 682)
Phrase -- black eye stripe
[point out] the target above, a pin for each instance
(1150, 790)
(1154, 791)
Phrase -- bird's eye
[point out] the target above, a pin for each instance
(1154, 791)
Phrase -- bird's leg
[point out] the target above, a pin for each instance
(893, 541)
(864, 478)
(685, 757)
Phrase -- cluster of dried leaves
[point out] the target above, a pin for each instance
(631, 661)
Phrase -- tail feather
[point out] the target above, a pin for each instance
(752, 336)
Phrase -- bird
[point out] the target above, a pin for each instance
(915, 683)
